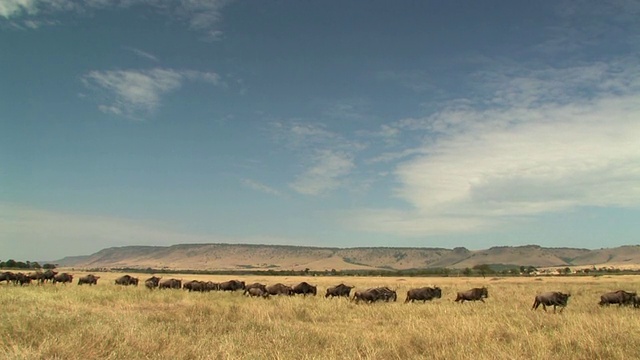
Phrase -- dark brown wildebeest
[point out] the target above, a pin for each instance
(425, 294)
(7, 276)
(152, 282)
(386, 294)
(231, 285)
(619, 297)
(368, 296)
(210, 285)
(22, 279)
(636, 302)
(257, 292)
(194, 285)
(63, 278)
(126, 280)
(279, 289)
(255, 286)
(339, 290)
(305, 288)
(170, 284)
(49, 275)
(89, 279)
(474, 294)
(553, 298)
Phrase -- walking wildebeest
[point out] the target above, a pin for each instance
(279, 289)
(255, 286)
(424, 294)
(49, 275)
(619, 297)
(474, 294)
(194, 285)
(126, 280)
(63, 278)
(232, 285)
(170, 284)
(152, 282)
(339, 290)
(7, 276)
(554, 298)
(374, 294)
(89, 279)
(257, 292)
(305, 288)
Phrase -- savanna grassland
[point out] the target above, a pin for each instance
(112, 322)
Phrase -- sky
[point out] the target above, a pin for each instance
(329, 123)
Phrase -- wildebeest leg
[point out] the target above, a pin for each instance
(481, 299)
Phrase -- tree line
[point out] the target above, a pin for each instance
(13, 264)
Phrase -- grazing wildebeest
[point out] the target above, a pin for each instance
(126, 280)
(255, 286)
(170, 284)
(474, 294)
(89, 279)
(257, 292)
(339, 290)
(619, 297)
(231, 285)
(305, 288)
(554, 298)
(63, 278)
(279, 289)
(194, 285)
(425, 294)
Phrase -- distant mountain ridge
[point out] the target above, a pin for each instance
(285, 257)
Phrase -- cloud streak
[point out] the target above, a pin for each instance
(200, 15)
(137, 93)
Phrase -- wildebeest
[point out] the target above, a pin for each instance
(210, 285)
(152, 282)
(48, 275)
(63, 278)
(231, 285)
(257, 292)
(194, 285)
(339, 290)
(554, 298)
(89, 279)
(305, 288)
(22, 279)
(170, 284)
(255, 286)
(279, 289)
(474, 294)
(126, 280)
(619, 297)
(375, 294)
(425, 294)
(7, 276)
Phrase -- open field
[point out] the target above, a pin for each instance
(111, 322)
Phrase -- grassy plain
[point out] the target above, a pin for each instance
(111, 322)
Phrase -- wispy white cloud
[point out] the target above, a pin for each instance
(327, 172)
(258, 186)
(137, 93)
(201, 15)
(537, 141)
(143, 54)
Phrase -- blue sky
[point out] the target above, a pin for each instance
(333, 123)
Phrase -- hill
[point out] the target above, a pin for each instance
(278, 257)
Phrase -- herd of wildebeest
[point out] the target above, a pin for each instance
(424, 294)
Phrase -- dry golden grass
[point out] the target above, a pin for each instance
(111, 322)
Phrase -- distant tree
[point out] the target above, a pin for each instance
(523, 270)
(483, 269)
(49, 266)
(567, 270)
(467, 272)
(10, 263)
